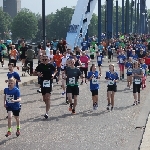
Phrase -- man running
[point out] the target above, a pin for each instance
(72, 76)
(46, 72)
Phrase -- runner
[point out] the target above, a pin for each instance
(121, 59)
(12, 104)
(72, 76)
(45, 72)
(137, 74)
(2, 48)
(23, 51)
(99, 61)
(111, 77)
(93, 77)
(84, 68)
(129, 67)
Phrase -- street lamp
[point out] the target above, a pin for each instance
(143, 27)
(43, 23)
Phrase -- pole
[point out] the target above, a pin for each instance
(138, 19)
(131, 16)
(43, 23)
(135, 3)
(127, 18)
(122, 16)
(106, 17)
(116, 18)
(99, 21)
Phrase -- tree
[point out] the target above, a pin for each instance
(25, 25)
(5, 23)
(59, 26)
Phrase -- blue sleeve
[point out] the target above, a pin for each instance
(5, 91)
(106, 75)
(17, 76)
(18, 93)
(89, 75)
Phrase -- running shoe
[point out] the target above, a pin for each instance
(67, 102)
(81, 83)
(108, 106)
(112, 108)
(73, 111)
(17, 132)
(63, 93)
(6, 117)
(39, 90)
(8, 134)
(134, 103)
(138, 101)
(70, 107)
(94, 107)
(46, 116)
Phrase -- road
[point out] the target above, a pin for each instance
(87, 130)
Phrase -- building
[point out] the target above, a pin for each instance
(12, 7)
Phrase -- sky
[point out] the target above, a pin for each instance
(53, 5)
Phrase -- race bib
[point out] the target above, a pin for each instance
(110, 82)
(137, 81)
(9, 98)
(94, 81)
(99, 59)
(121, 60)
(46, 83)
(130, 70)
(143, 70)
(83, 64)
(72, 80)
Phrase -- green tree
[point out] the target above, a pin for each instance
(25, 25)
(59, 26)
(5, 24)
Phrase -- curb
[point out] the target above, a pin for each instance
(23, 84)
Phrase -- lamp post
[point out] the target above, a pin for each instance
(122, 16)
(143, 23)
(43, 23)
(135, 3)
(116, 18)
(149, 25)
(99, 21)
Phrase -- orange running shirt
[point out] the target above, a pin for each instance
(13, 54)
(57, 59)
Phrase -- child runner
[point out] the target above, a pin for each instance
(129, 67)
(94, 85)
(12, 104)
(111, 77)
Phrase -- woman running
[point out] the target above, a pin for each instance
(129, 67)
(111, 77)
(137, 74)
(93, 77)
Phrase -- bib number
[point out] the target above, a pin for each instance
(137, 81)
(143, 70)
(121, 60)
(130, 70)
(110, 82)
(99, 59)
(94, 81)
(72, 80)
(83, 64)
(46, 83)
(9, 98)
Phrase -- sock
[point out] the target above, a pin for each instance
(123, 76)
(18, 127)
(9, 129)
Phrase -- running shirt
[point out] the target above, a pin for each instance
(137, 79)
(63, 62)
(109, 49)
(47, 51)
(13, 54)
(111, 77)
(14, 75)
(84, 61)
(99, 59)
(134, 57)
(84, 45)
(72, 76)
(94, 81)
(54, 47)
(57, 59)
(144, 68)
(12, 94)
(129, 67)
(121, 59)
(100, 48)
(92, 51)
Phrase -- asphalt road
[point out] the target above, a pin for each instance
(87, 130)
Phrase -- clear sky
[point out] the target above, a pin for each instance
(53, 5)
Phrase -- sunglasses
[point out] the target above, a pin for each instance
(44, 59)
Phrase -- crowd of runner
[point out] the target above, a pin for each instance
(74, 67)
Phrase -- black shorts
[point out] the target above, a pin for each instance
(15, 112)
(13, 61)
(109, 55)
(84, 70)
(1, 58)
(99, 65)
(45, 90)
(22, 56)
(136, 87)
(94, 92)
(112, 88)
(73, 89)
(54, 52)
(92, 56)
(129, 75)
